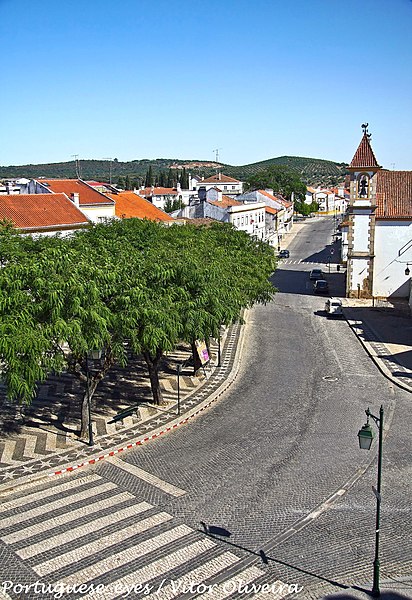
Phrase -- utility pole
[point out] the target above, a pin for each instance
(110, 169)
(77, 165)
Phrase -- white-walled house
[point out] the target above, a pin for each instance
(379, 228)
(94, 204)
(227, 185)
(283, 221)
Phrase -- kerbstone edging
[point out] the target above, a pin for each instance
(375, 357)
(156, 433)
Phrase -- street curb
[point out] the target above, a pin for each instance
(174, 424)
(375, 357)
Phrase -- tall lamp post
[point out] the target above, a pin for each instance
(91, 441)
(366, 435)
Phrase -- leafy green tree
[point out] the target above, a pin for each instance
(281, 179)
(149, 180)
(170, 179)
(127, 184)
(121, 182)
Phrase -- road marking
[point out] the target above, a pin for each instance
(124, 557)
(100, 544)
(62, 502)
(155, 569)
(195, 577)
(56, 489)
(72, 515)
(148, 477)
(83, 530)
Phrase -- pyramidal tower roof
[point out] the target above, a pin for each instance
(364, 156)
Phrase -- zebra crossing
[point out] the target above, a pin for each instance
(85, 531)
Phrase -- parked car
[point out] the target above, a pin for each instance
(321, 286)
(333, 307)
(284, 254)
(316, 274)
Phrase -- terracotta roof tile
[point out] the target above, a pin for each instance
(225, 201)
(277, 198)
(37, 211)
(394, 194)
(364, 156)
(271, 210)
(129, 205)
(158, 191)
(87, 195)
(219, 178)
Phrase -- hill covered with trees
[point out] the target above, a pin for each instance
(312, 171)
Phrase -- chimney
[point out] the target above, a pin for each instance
(219, 195)
(178, 187)
(75, 197)
(220, 176)
(9, 187)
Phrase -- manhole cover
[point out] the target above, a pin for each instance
(329, 378)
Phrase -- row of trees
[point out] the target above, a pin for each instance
(119, 286)
(161, 179)
(285, 181)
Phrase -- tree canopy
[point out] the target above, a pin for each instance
(281, 179)
(120, 284)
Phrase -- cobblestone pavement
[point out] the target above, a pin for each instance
(135, 518)
(25, 456)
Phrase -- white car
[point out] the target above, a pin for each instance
(333, 307)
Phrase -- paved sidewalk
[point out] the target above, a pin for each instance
(158, 420)
(386, 333)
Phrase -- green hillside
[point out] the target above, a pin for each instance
(312, 170)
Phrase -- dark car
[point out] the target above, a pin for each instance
(284, 254)
(321, 286)
(316, 274)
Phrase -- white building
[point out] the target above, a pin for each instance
(379, 228)
(227, 185)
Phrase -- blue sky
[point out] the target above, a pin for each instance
(161, 79)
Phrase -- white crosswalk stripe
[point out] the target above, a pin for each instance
(80, 513)
(83, 530)
(155, 569)
(98, 545)
(195, 577)
(71, 484)
(62, 502)
(166, 547)
(227, 588)
(125, 556)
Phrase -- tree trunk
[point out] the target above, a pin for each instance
(153, 367)
(197, 364)
(84, 426)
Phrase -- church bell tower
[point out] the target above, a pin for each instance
(362, 206)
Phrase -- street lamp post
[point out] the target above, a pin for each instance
(91, 441)
(366, 435)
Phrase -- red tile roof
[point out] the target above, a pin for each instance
(129, 205)
(87, 195)
(364, 156)
(158, 191)
(394, 194)
(38, 211)
(271, 210)
(279, 198)
(226, 201)
(219, 178)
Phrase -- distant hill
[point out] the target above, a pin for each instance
(313, 171)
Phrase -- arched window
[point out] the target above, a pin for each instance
(363, 185)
